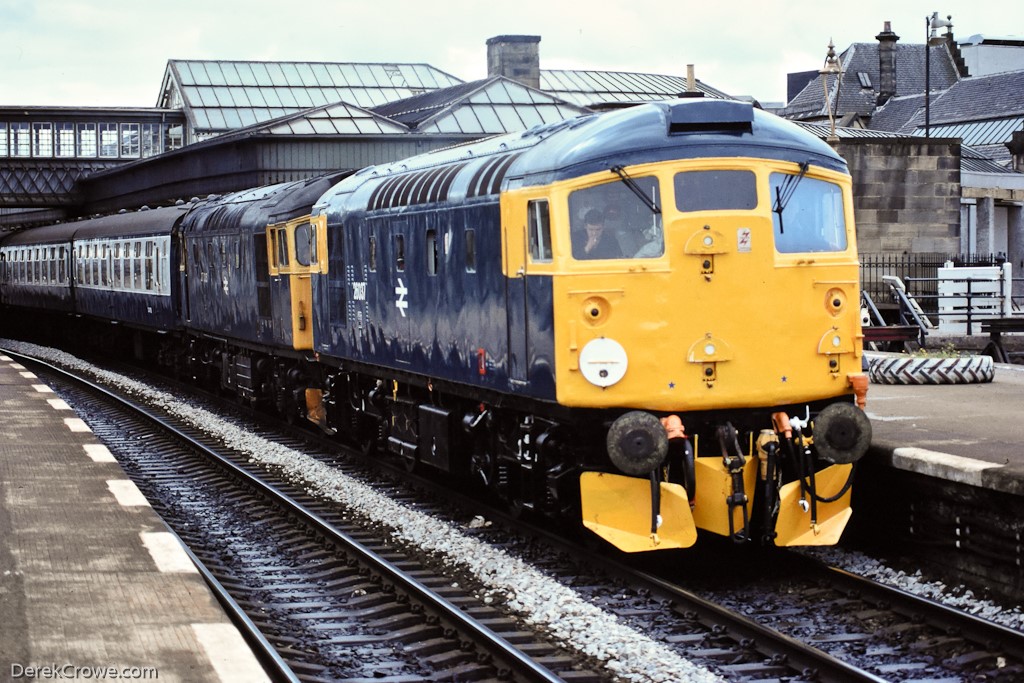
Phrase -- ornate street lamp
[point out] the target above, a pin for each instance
(832, 66)
(931, 39)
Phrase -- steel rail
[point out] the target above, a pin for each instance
(485, 638)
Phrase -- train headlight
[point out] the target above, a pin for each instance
(603, 361)
(842, 433)
(637, 443)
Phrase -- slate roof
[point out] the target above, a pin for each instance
(862, 58)
(487, 107)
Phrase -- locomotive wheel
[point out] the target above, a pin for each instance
(967, 370)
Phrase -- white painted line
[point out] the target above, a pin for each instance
(231, 658)
(127, 493)
(28, 375)
(167, 552)
(6, 359)
(933, 463)
(98, 452)
(58, 404)
(42, 388)
(76, 424)
(17, 366)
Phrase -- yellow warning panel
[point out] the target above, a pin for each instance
(794, 527)
(618, 509)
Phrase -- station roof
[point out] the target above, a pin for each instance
(486, 107)
(594, 88)
(218, 96)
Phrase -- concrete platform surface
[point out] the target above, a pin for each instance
(972, 433)
(92, 584)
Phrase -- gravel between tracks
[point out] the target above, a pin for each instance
(536, 598)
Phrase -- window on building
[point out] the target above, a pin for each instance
(42, 139)
(108, 140)
(4, 149)
(130, 142)
(64, 135)
(86, 142)
(20, 139)
(151, 139)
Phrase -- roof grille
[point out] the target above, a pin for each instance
(487, 179)
(418, 187)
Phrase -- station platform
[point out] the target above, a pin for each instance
(92, 584)
(968, 433)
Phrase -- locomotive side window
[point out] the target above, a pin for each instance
(470, 250)
(431, 252)
(809, 217)
(400, 253)
(540, 231)
(715, 190)
(618, 219)
(373, 254)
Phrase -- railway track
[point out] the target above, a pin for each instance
(335, 599)
(764, 630)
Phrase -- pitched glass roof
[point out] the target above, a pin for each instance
(488, 107)
(218, 96)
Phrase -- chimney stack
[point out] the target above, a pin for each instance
(515, 57)
(886, 63)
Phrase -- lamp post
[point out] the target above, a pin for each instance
(832, 66)
(931, 39)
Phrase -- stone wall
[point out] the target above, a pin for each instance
(906, 194)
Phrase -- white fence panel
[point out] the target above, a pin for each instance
(983, 292)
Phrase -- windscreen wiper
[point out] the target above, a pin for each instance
(784, 191)
(637, 190)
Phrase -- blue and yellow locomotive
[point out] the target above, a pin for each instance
(645, 318)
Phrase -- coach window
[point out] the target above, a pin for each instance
(149, 265)
(470, 250)
(431, 252)
(117, 282)
(540, 231)
(105, 265)
(61, 268)
(137, 265)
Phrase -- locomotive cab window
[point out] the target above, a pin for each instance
(807, 214)
(716, 190)
(618, 219)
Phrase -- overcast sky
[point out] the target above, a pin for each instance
(114, 52)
